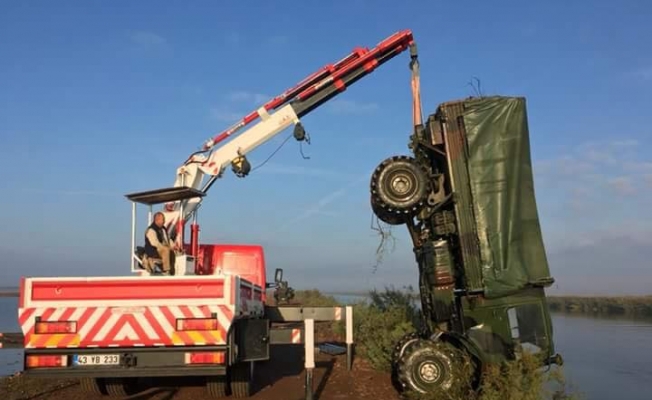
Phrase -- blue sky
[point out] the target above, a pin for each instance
(99, 99)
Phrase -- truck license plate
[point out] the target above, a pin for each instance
(96, 359)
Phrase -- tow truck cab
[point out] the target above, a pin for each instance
(244, 260)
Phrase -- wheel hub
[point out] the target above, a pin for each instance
(429, 372)
(401, 185)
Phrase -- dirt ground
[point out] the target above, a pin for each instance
(280, 378)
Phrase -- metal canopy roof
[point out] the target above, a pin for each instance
(165, 195)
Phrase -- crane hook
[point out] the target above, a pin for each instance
(299, 132)
(241, 166)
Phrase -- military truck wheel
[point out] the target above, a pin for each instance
(241, 379)
(94, 386)
(386, 216)
(217, 386)
(402, 344)
(428, 367)
(399, 189)
(398, 351)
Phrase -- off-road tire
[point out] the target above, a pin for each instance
(119, 387)
(399, 188)
(94, 386)
(404, 342)
(400, 347)
(386, 216)
(217, 386)
(429, 368)
(241, 378)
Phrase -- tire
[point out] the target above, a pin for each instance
(119, 387)
(387, 217)
(93, 386)
(433, 368)
(216, 386)
(241, 379)
(398, 351)
(399, 189)
(402, 345)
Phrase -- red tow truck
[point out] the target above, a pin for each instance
(211, 318)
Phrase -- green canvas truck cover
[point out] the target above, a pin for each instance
(502, 185)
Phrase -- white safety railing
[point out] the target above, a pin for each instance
(309, 349)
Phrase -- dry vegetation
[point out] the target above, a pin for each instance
(389, 315)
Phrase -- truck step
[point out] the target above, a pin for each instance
(331, 349)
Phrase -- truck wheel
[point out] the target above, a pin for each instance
(216, 386)
(93, 386)
(397, 353)
(428, 367)
(402, 344)
(386, 216)
(241, 379)
(399, 188)
(119, 387)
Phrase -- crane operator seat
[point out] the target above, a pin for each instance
(150, 264)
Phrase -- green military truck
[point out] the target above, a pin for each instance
(466, 196)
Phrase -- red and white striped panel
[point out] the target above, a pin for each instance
(296, 335)
(125, 326)
(249, 298)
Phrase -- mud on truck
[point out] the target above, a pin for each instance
(466, 196)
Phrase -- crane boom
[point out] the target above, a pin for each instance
(275, 116)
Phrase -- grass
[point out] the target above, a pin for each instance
(389, 315)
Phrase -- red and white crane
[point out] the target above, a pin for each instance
(203, 167)
(211, 318)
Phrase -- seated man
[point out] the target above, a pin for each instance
(159, 245)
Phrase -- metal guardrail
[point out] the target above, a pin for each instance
(11, 340)
(8, 293)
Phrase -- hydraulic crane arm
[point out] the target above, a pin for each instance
(275, 116)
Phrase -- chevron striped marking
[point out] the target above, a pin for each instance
(296, 335)
(125, 326)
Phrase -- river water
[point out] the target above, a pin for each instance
(605, 358)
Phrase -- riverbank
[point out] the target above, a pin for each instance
(609, 306)
(626, 306)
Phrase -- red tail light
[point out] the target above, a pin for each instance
(32, 361)
(197, 324)
(215, 357)
(55, 327)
